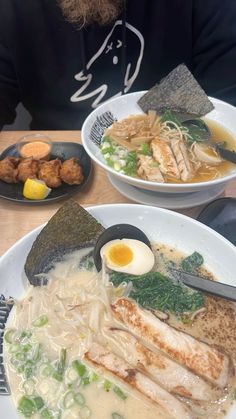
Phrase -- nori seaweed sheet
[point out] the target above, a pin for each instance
(180, 92)
(71, 228)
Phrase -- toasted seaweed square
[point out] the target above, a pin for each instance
(180, 92)
(71, 228)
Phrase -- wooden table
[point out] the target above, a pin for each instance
(18, 219)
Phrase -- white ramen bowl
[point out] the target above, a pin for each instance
(160, 225)
(123, 106)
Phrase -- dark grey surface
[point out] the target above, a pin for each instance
(220, 215)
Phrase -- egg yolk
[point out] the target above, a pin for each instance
(120, 255)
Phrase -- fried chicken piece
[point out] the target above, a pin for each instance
(71, 172)
(9, 170)
(49, 171)
(27, 168)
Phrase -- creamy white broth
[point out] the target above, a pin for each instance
(72, 325)
(77, 306)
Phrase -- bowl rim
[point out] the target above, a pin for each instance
(141, 182)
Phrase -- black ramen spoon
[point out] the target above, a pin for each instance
(205, 285)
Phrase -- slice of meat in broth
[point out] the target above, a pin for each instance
(162, 153)
(148, 169)
(102, 357)
(181, 155)
(170, 375)
(199, 357)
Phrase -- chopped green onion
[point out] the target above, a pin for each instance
(25, 334)
(57, 376)
(71, 375)
(27, 347)
(14, 348)
(79, 399)
(46, 369)
(94, 377)
(28, 387)
(107, 385)
(20, 356)
(20, 369)
(46, 414)
(68, 399)
(38, 401)
(41, 321)
(85, 381)
(36, 352)
(26, 406)
(9, 335)
(58, 373)
(15, 362)
(29, 369)
(79, 367)
(117, 390)
(62, 360)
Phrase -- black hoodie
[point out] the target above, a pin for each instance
(61, 73)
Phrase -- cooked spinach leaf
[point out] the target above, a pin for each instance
(197, 131)
(169, 116)
(156, 291)
(192, 263)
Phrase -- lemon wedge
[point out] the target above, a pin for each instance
(35, 189)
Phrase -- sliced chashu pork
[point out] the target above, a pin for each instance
(170, 375)
(99, 355)
(199, 357)
(163, 154)
(181, 155)
(148, 169)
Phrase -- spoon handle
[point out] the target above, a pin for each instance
(206, 285)
(227, 154)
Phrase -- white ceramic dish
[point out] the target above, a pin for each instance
(123, 106)
(160, 225)
(165, 200)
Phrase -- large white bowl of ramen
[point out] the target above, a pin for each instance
(154, 153)
(68, 353)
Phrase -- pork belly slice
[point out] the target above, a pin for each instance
(181, 155)
(170, 375)
(199, 357)
(162, 153)
(148, 169)
(99, 355)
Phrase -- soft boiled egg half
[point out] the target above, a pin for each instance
(127, 255)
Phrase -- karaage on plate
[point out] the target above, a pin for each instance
(71, 172)
(9, 170)
(28, 168)
(49, 171)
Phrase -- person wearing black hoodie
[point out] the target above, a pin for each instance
(62, 61)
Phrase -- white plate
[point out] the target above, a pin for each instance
(123, 106)
(170, 228)
(165, 200)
